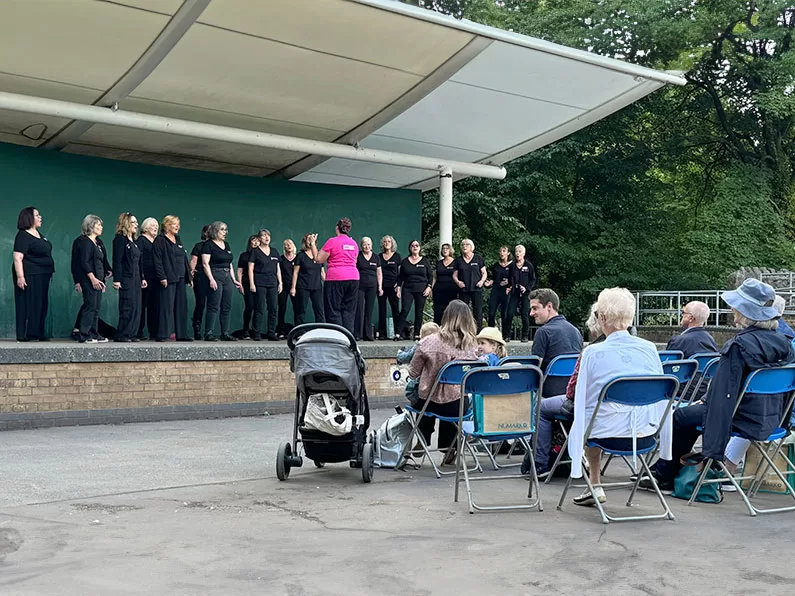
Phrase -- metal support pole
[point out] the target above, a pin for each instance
(446, 206)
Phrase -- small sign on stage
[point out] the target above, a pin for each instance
(398, 375)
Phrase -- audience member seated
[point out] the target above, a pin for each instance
(405, 355)
(455, 341)
(559, 405)
(757, 346)
(783, 327)
(556, 337)
(694, 339)
(491, 345)
(620, 354)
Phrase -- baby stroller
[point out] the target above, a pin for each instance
(328, 365)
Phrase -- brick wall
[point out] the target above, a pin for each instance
(33, 395)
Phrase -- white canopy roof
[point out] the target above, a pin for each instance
(374, 72)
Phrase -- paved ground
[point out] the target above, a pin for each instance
(194, 508)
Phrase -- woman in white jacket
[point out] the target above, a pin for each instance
(620, 355)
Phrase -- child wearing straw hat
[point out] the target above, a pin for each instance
(491, 345)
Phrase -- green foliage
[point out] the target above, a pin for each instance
(673, 192)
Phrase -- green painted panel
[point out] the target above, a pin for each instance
(67, 187)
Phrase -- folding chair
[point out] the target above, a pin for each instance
(670, 355)
(451, 373)
(505, 407)
(633, 392)
(560, 366)
(703, 359)
(763, 381)
(705, 376)
(520, 361)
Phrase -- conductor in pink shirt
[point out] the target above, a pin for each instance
(341, 289)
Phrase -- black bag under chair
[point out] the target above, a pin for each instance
(332, 416)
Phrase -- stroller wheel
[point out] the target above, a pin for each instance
(320, 464)
(368, 462)
(283, 457)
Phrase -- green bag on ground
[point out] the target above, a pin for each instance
(686, 480)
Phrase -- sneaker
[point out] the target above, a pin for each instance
(89, 340)
(727, 487)
(666, 488)
(586, 498)
(102, 340)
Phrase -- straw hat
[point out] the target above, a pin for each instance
(492, 334)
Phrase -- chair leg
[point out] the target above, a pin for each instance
(599, 506)
(706, 463)
(644, 468)
(558, 459)
(607, 463)
(534, 484)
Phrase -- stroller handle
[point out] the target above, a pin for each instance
(297, 332)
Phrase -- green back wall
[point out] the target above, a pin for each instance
(66, 187)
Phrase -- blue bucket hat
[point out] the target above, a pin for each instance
(753, 300)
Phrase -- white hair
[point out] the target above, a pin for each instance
(700, 311)
(780, 303)
(616, 306)
(468, 241)
(592, 322)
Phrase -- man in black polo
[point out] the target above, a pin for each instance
(556, 337)
(694, 339)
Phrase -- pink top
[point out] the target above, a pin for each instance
(342, 253)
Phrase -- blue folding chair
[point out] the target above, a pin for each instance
(685, 371)
(670, 355)
(451, 373)
(763, 381)
(520, 361)
(505, 407)
(704, 358)
(704, 376)
(633, 392)
(560, 366)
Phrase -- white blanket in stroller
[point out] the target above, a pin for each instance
(325, 414)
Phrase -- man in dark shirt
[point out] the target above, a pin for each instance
(694, 339)
(556, 337)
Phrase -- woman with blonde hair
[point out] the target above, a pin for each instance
(173, 274)
(469, 274)
(307, 283)
(390, 268)
(127, 278)
(286, 262)
(149, 293)
(444, 289)
(455, 341)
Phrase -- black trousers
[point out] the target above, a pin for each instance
(364, 313)
(265, 297)
(441, 298)
(150, 308)
(173, 310)
(523, 302)
(219, 302)
(31, 306)
(89, 313)
(301, 299)
(201, 288)
(129, 309)
(339, 302)
(389, 296)
(447, 430)
(282, 326)
(249, 301)
(476, 300)
(498, 302)
(408, 299)
(685, 434)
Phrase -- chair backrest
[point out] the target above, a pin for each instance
(684, 370)
(562, 366)
(453, 372)
(504, 400)
(670, 355)
(771, 381)
(704, 358)
(520, 360)
(710, 369)
(640, 390)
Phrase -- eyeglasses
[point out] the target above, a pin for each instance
(684, 312)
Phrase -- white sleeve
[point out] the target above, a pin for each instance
(577, 434)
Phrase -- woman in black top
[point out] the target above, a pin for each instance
(127, 276)
(444, 288)
(523, 280)
(469, 275)
(370, 280)
(33, 269)
(248, 296)
(286, 262)
(390, 268)
(173, 274)
(414, 282)
(149, 293)
(265, 282)
(217, 260)
(91, 269)
(201, 287)
(500, 284)
(307, 282)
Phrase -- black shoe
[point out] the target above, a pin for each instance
(161, 339)
(184, 339)
(256, 336)
(666, 488)
(227, 337)
(210, 338)
(197, 335)
(135, 340)
(525, 340)
(43, 339)
(122, 340)
(272, 337)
